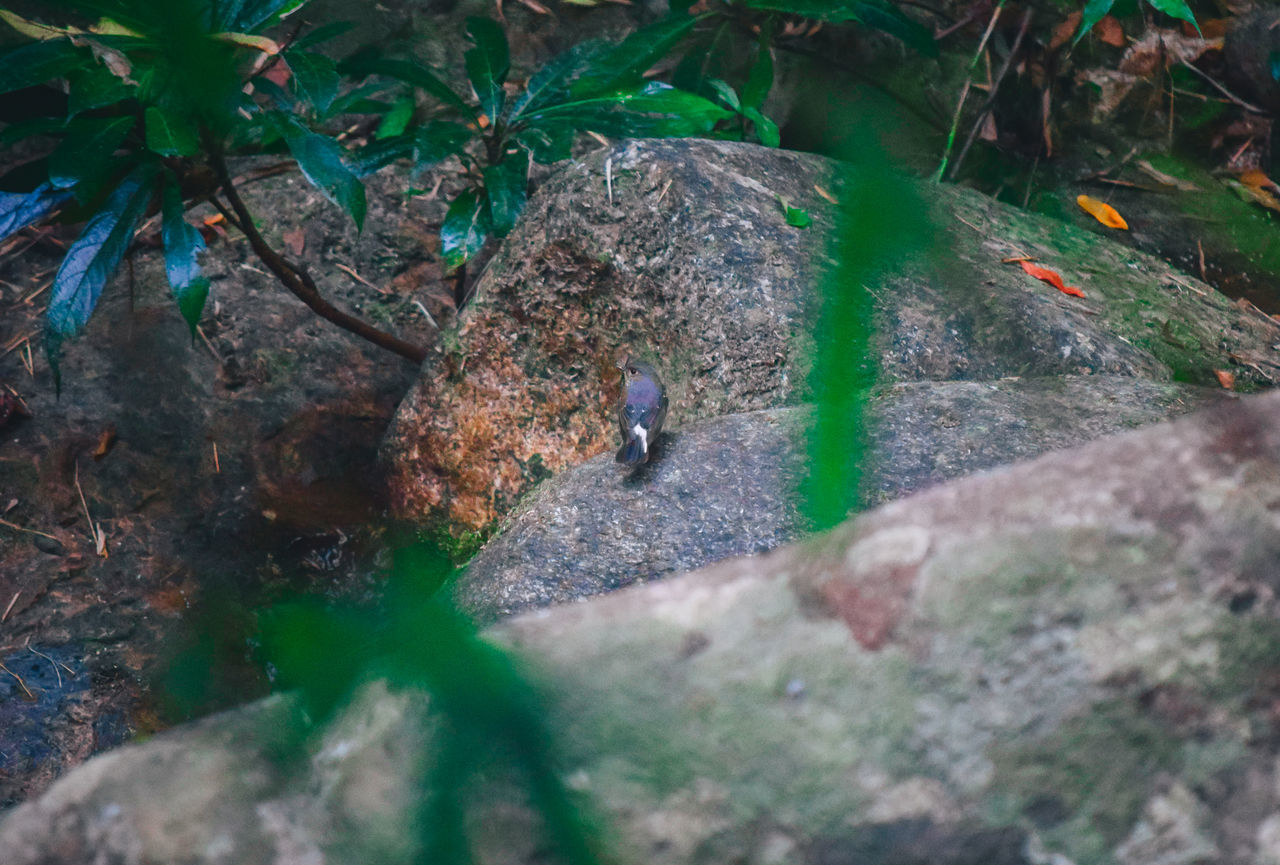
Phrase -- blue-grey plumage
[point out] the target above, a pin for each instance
(641, 410)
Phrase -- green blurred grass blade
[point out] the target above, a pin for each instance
(881, 224)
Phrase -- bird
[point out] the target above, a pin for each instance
(642, 407)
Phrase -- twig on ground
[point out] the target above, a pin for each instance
(21, 683)
(1247, 106)
(56, 664)
(18, 528)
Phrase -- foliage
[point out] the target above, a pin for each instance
(1096, 10)
(594, 87)
(153, 93)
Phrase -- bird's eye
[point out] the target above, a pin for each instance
(631, 370)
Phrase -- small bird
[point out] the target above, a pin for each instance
(642, 408)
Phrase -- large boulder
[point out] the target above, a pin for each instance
(680, 248)
(681, 251)
(1072, 659)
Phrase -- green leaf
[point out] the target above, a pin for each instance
(760, 78)
(487, 64)
(38, 62)
(888, 19)
(795, 216)
(550, 83)
(315, 78)
(246, 16)
(20, 209)
(323, 33)
(819, 10)
(358, 101)
(28, 128)
(97, 252)
(549, 141)
(692, 69)
(1176, 9)
(505, 185)
(726, 93)
(873, 13)
(465, 229)
(323, 162)
(87, 155)
(395, 121)
(1094, 11)
(94, 87)
(276, 95)
(182, 246)
(657, 109)
(168, 134)
(409, 71)
(425, 146)
(624, 66)
(766, 129)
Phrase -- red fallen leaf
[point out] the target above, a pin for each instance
(1051, 277)
(1226, 379)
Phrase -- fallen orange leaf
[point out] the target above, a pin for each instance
(1050, 276)
(1256, 179)
(1261, 188)
(1226, 379)
(1101, 211)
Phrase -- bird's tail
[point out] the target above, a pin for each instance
(632, 453)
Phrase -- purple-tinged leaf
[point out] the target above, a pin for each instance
(97, 252)
(20, 209)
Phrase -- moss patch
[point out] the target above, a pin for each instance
(1097, 770)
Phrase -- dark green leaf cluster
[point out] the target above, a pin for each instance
(499, 130)
(150, 89)
(1096, 10)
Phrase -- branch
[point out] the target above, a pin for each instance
(294, 276)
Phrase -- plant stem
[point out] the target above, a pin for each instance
(955, 120)
(294, 276)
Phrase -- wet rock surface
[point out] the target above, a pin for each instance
(728, 486)
(691, 262)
